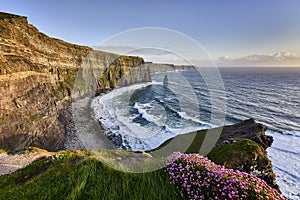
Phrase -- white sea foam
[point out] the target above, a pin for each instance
(137, 137)
(179, 131)
(184, 115)
(120, 91)
(285, 156)
(158, 120)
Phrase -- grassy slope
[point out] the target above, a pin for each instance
(237, 153)
(77, 175)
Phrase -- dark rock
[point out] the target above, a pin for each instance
(166, 82)
(246, 129)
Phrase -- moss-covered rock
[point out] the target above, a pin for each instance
(247, 156)
(239, 146)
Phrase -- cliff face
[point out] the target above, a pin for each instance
(40, 75)
(121, 73)
(156, 67)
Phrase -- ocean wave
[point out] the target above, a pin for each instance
(291, 133)
(288, 172)
(180, 131)
(120, 91)
(185, 116)
(286, 151)
(150, 118)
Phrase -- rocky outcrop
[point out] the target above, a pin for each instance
(247, 156)
(241, 146)
(39, 76)
(247, 129)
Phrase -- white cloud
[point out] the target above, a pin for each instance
(225, 58)
(276, 59)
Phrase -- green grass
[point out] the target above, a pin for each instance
(200, 142)
(233, 155)
(77, 175)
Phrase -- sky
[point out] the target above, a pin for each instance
(232, 32)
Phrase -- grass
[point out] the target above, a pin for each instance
(247, 156)
(78, 175)
(200, 142)
(237, 154)
(25, 150)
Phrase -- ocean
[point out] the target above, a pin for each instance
(146, 115)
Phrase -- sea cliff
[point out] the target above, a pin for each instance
(39, 76)
(160, 67)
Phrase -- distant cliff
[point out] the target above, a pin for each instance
(40, 75)
(120, 73)
(158, 67)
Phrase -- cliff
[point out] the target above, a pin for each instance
(120, 73)
(241, 146)
(39, 76)
(156, 67)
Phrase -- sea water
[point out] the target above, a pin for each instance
(146, 115)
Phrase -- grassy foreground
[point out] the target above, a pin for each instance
(78, 175)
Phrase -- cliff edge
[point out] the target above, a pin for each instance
(240, 146)
(39, 76)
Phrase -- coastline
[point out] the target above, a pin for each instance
(38, 109)
(76, 135)
(76, 119)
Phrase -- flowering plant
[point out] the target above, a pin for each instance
(196, 177)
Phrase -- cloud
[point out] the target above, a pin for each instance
(276, 59)
(225, 58)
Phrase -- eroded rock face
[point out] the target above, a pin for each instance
(248, 129)
(39, 76)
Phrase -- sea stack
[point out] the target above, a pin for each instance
(166, 82)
